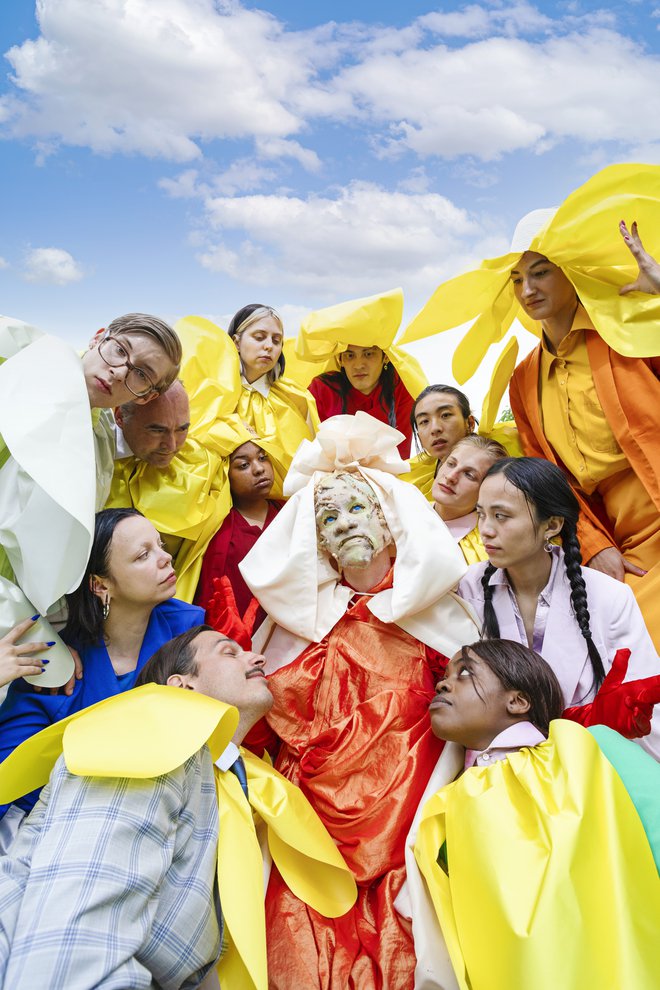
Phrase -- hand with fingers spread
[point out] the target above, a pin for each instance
(648, 280)
(21, 659)
(222, 613)
(626, 707)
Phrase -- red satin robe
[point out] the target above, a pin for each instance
(328, 403)
(352, 715)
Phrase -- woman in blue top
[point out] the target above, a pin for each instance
(122, 612)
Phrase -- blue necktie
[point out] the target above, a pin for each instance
(238, 767)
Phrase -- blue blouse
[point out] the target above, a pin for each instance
(24, 712)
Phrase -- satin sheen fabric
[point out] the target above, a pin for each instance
(352, 714)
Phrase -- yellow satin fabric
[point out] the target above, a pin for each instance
(551, 880)
(302, 850)
(472, 547)
(142, 733)
(369, 322)
(583, 240)
(422, 473)
(222, 407)
(187, 503)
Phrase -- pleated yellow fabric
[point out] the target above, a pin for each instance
(302, 850)
(422, 473)
(583, 240)
(221, 406)
(472, 547)
(142, 733)
(551, 881)
(367, 322)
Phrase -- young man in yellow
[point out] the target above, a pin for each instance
(129, 818)
(585, 397)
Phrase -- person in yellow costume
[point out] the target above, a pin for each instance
(346, 355)
(537, 867)
(164, 469)
(456, 490)
(583, 397)
(143, 819)
(241, 372)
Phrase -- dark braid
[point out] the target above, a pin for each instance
(491, 628)
(573, 560)
(548, 493)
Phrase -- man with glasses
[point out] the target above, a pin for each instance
(57, 453)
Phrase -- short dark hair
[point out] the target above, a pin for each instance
(518, 668)
(177, 656)
(84, 626)
(461, 399)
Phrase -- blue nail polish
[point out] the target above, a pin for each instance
(52, 643)
(45, 661)
(34, 617)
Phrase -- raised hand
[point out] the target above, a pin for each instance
(648, 280)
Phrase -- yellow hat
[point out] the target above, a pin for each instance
(583, 240)
(369, 322)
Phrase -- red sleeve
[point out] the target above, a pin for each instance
(328, 401)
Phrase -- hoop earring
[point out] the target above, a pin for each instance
(547, 546)
(106, 607)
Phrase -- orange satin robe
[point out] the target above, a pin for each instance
(352, 714)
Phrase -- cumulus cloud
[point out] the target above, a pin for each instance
(158, 78)
(360, 239)
(53, 266)
(167, 79)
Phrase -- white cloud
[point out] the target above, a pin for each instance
(158, 78)
(359, 240)
(53, 266)
(4, 263)
(489, 97)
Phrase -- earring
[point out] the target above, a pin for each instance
(386, 365)
(547, 546)
(106, 607)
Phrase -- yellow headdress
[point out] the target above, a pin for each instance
(369, 322)
(582, 239)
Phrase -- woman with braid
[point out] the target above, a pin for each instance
(538, 594)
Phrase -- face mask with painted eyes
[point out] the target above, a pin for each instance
(349, 521)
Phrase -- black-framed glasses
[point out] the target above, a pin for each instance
(115, 355)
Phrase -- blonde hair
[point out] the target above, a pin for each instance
(244, 319)
(484, 444)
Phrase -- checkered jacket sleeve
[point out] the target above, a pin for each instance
(111, 883)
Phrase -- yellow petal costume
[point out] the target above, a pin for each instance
(582, 239)
(282, 414)
(368, 322)
(150, 731)
(541, 873)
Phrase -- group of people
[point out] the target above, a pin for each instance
(302, 670)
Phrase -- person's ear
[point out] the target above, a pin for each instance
(553, 527)
(119, 417)
(517, 704)
(96, 338)
(176, 680)
(471, 424)
(98, 586)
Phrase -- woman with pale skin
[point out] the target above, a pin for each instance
(535, 593)
(272, 405)
(123, 611)
(456, 490)
(439, 418)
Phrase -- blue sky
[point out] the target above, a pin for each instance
(190, 156)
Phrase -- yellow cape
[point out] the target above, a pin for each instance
(368, 322)
(583, 240)
(302, 850)
(221, 406)
(551, 881)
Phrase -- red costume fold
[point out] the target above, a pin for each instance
(352, 715)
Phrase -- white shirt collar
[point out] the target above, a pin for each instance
(261, 385)
(515, 737)
(121, 446)
(462, 526)
(228, 757)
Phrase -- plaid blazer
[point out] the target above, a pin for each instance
(111, 883)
